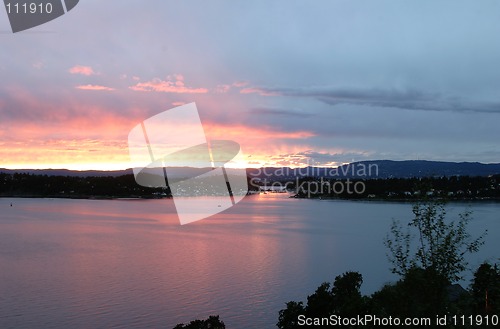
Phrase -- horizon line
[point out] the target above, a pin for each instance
(249, 167)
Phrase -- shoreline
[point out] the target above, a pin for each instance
(406, 200)
(83, 197)
(295, 196)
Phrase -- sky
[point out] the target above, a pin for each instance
(295, 83)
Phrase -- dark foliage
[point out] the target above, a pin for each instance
(420, 293)
(441, 244)
(343, 299)
(213, 322)
(485, 290)
(29, 185)
(449, 188)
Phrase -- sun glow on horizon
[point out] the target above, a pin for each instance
(126, 164)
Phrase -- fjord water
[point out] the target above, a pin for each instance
(129, 264)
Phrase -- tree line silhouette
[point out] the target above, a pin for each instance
(30, 185)
(450, 188)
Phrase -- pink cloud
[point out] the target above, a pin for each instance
(249, 91)
(83, 70)
(253, 134)
(173, 84)
(76, 141)
(38, 65)
(94, 87)
(222, 89)
(240, 84)
(178, 103)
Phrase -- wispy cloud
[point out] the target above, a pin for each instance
(83, 70)
(260, 91)
(222, 89)
(252, 134)
(319, 159)
(280, 112)
(173, 84)
(407, 99)
(95, 87)
(240, 84)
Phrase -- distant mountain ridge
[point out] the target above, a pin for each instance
(424, 168)
(362, 169)
(382, 169)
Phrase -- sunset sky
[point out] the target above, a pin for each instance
(294, 82)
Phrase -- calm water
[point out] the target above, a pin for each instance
(129, 264)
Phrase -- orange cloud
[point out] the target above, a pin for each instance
(83, 70)
(78, 154)
(84, 142)
(76, 133)
(94, 87)
(261, 144)
(95, 141)
(173, 84)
